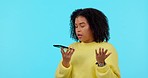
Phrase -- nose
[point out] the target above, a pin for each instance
(78, 29)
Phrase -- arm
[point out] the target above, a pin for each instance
(64, 69)
(110, 70)
(63, 72)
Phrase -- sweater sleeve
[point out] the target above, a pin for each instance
(110, 70)
(63, 72)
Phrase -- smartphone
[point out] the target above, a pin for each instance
(60, 46)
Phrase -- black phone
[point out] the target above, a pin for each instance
(60, 46)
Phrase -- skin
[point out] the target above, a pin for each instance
(66, 56)
(84, 34)
(83, 31)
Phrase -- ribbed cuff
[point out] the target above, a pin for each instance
(64, 69)
(102, 69)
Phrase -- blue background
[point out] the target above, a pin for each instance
(29, 28)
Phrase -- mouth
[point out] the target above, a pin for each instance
(79, 36)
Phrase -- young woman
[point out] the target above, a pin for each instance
(91, 56)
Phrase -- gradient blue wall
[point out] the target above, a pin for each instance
(29, 28)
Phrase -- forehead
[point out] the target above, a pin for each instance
(80, 19)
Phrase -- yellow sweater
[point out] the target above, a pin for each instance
(83, 61)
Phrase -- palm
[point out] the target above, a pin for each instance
(66, 56)
(101, 55)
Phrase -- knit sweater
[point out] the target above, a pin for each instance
(82, 64)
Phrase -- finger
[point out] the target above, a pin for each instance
(108, 54)
(68, 53)
(105, 51)
(96, 52)
(62, 52)
(100, 51)
(71, 51)
(68, 49)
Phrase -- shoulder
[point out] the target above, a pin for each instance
(106, 44)
(74, 44)
(110, 48)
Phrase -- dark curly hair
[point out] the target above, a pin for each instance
(97, 21)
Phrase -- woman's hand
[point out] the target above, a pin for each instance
(101, 55)
(66, 56)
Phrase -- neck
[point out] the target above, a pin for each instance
(87, 41)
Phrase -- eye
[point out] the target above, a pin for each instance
(76, 26)
(82, 26)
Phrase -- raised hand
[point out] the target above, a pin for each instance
(66, 56)
(101, 55)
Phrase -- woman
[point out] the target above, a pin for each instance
(91, 56)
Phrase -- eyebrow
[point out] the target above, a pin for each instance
(81, 23)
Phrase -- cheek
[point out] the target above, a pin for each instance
(76, 30)
(89, 32)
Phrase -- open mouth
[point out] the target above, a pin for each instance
(79, 35)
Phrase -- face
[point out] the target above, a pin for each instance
(82, 29)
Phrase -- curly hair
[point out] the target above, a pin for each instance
(97, 21)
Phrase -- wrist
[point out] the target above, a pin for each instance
(66, 64)
(100, 64)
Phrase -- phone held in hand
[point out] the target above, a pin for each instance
(60, 46)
